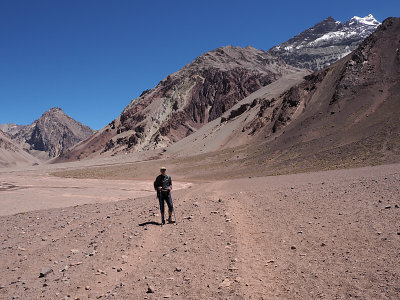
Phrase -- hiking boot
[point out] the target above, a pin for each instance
(169, 220)
(163, 221)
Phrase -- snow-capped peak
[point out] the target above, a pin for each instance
(367, 20)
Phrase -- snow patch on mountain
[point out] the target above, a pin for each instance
(326, 42)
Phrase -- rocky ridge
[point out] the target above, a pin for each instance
(186, 100)
(343, 116)
(12, 154)
(11, 128)
(326, 42)
(346, 114)
(52, 133)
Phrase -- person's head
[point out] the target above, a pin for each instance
(163, 170)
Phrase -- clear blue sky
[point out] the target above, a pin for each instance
(91, 57)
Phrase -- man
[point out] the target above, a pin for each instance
(163, 186)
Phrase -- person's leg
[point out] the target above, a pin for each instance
(170, 207)
(161, 200)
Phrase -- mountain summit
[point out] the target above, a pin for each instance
(52, 133)
(325, 42)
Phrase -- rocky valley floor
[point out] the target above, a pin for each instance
(321, 235)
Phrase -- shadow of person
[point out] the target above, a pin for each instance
(150, 223)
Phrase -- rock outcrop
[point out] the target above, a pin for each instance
(326, 42)
(52, 133)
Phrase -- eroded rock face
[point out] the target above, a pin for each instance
(326, 42)
(199, 93)
(53, 133)
(186, 100)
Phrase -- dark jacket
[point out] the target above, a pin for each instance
(164, 181)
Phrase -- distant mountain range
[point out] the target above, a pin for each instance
(261, 100)
(11, 128)
(12, 154)
(213, 83)
(345, 115)
(48, 136)
(325, 42)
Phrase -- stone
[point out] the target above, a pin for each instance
(293, 247)
(45, 271)
(150, 289)
(225, 283)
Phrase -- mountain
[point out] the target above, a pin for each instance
(11, 128)
(52, 133)
(326, 42)
(186, 100)
(345, 115)
(12, 154)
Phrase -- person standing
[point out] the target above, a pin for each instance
(163, 186)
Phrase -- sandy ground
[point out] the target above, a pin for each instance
(323, 235)
(26, 191)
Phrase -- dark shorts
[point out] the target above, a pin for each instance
(165, 196)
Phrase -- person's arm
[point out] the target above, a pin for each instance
(170, 183)
(157, 184)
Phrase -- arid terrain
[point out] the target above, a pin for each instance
(285, 183)
(321, 235)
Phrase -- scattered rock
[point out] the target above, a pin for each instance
(45, 271)
(271, 261)
(225, 283)
(293, 247)
(388, 206)
(178, 269)
(150, 289)
(64, 269)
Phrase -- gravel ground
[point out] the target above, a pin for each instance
(322, 235)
